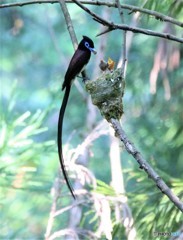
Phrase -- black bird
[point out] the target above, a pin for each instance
(79, 60)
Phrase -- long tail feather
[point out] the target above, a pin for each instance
(59, 138)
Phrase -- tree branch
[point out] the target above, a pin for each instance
(69, 24)
(145, 165)
(111, 26)
(107, 94)
(124, 55)
(55, 194)
(125, 27)
(70, 28)
(157, 15)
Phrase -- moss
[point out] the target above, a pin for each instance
(106, 93)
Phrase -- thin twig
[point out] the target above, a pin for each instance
(56, 193)
(145, 165)
(67, 208)
(69, 24)
(111, 26)
(117, 177)
(70, 28)
(167, 36)
(99, 130)
(157, 15)
(124, 62)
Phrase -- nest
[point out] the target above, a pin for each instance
(107, 92)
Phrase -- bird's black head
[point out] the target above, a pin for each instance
(87, 44)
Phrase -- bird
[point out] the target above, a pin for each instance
(107, 65)
(77, 64)
(103, 65)
(111, 64)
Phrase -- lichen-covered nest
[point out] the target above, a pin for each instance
(107, 92)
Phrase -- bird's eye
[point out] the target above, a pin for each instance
(87, 45)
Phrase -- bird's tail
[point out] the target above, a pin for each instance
(59, 138)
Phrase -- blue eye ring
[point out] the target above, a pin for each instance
(87, 45)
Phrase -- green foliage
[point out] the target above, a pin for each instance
(174, 8)
(104, 189)
(23, 185)
(159, 207)
(35, 51)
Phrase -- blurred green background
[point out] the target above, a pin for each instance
(35, 50)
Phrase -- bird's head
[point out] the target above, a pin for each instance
(87, 44)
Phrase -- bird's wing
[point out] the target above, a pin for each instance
(76, 65)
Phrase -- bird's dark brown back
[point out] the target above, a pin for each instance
(76, 66)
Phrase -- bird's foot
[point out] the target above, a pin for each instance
(85, 78)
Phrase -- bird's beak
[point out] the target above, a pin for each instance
(93, 50)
